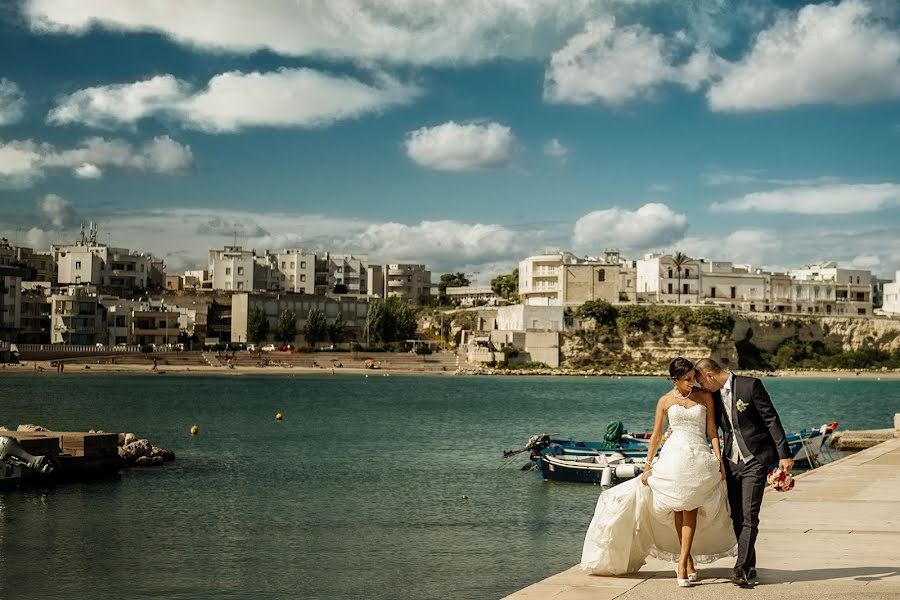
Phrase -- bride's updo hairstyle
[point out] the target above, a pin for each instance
(679, 367)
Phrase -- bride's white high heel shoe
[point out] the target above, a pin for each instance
(682, 582)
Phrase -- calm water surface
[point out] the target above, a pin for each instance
(356, 494)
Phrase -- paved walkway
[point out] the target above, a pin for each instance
(836, 534)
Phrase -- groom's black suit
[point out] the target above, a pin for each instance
(761, 439)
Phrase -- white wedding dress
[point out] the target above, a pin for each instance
(632, 520)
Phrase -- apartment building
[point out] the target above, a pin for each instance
(140, 322)
(232, 268)
(35, 312)
(352, 309)
(847, 292)
(77, 316)
(745, 288)
(409, 282)
(659, 280)
(891, 303)
(114, 270)
(42, 264)
(342, 274)
(296, 271)
(557, 278)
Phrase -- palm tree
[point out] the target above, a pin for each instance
(679, 260)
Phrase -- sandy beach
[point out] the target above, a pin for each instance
(46, 368)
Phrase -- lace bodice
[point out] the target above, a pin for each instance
(689, 420)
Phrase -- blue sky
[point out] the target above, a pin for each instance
(462, 134)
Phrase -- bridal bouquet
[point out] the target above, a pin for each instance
(782, 481)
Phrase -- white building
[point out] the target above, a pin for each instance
(659, 280)
(342, 274)
(851, 288)
(140, 322)
(297, 271)
(77, 316)
(233, 268)
(89, 262)
(474, 295)
(891, 304)
(557, 278)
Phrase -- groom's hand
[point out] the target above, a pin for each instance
(786, 464)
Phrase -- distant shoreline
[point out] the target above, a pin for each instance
(143, 369)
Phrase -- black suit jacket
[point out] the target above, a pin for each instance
(761, 432)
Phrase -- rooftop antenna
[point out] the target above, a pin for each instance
(235, 234)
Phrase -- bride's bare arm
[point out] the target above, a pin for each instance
(655, 437)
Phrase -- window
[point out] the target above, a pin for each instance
(282, 264)
(240, 285)
(162, 325)
(712, 292)
(670, 273)
(302, 264)
(302, 277)
(733, 292)
(752, 308)
(601, 275)
(292, 264)
(670, 288)
(687, 272)
(340, 269)
(303, 290)
(228, 270)
(685, 289)
(77, 264)
(240, 270)
(857, 279)
(78, 279)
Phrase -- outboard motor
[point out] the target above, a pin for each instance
(13, 454)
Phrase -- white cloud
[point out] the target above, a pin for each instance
(38, 238)
(455, 146)
(22, 162)
(828, 199)
(866, 261)
(652, 226)
(557, 150)
(613, 65)
(440, 241)
(755, 176)
(87, 171)
(837, 54)
(744, 246)
(408, 31)
(58, 211)
(235, 100)
(659, 188)
(12, 102)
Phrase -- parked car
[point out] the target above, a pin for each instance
(268, 348)
(287, 348)
(328, 347)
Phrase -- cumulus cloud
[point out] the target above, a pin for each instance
(38, 239)
(824, 53)
(454, 146)
(652, 226)
(393, 30)
(744, 246)
(828, 199)
(222, 227)
(613, 65)
(757, 176)
(235, 100)
(23, 162)
(58, 211)
(87, 171)
(12, 102)
(442, 241)
(557, 150)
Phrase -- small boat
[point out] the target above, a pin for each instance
(605, 469)
(15, 463)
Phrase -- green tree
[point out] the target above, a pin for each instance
(390, 321)
(316, 327)
(633, 317)
(680, 260)
(507, 286)
(602, 312)
(286, 330)
(337, 331)
(452, 280)
(257, 326)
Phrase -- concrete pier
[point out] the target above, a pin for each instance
(836, 535)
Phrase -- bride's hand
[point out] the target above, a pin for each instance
(722, 469)
(645, 477)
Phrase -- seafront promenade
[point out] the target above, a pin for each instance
(836, 535)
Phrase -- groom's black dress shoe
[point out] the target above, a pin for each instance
(740, 579)
(751, 574)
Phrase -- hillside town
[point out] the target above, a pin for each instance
(87, 293)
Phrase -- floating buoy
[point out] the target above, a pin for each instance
(194, 430)
(463, 497)
(279, 416)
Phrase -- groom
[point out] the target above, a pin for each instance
(754, 442)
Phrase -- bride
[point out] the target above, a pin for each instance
(678, 509)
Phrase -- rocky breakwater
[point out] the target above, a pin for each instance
(860, 440)
(136, 452)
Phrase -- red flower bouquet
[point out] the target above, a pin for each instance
(781, 480)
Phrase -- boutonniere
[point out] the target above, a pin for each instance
(741, 405)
